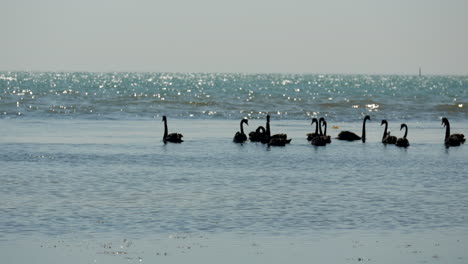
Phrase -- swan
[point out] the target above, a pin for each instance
(278, 142)
(350, 136)
(258, 134)
(454, 139)
(403, 142)
(320, 140)
(326, 137)
(240, 137)
(276, 139)
(386, 138)
(310, 136)
(173, 137)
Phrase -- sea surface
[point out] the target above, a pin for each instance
(118, 96)
(86, 178)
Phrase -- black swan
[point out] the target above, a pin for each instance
(173, 137)
(454, 139)
(325, 136)
(277, 139)
(310, 136)
(320, 140)
(403, 142)
(386, 138)
(350, 136)
(240, 137)
(258, 134)
(278, 142)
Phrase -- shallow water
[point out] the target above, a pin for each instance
(355, 247)
(65, 176)
(76, 185)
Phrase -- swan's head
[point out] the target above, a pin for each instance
(314, 120)
(164, 119)
(321, 120)
(444, 121)
(383, 122)
(366, 118)
(324, 123)
(245, 121)
(402, 126)
(268, 118)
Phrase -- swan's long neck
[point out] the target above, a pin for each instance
(325, 128)
(320, 128)
(242, 126)
(268, 128)
(385, 131)
(364, 130)
(447, 129)
(406, 132)
(165, 128)
(316, 127)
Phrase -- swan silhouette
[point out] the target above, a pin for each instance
(173, 137)
(454, 139)
(403, 142)
(350, 136)
(320, 140)
(310, 136)
(386, 138)
(240, 137)
(276, 139)
(326, 137)
(258, 134)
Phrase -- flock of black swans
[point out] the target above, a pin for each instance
(320, 137)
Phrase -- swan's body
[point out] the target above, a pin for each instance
(310, 136)
(240, 137)
(350, 136)
(277, 139)
(389, 139)
(173, 137)
(278, 142)
(319, 141)
(403, 142)
(281, 136)
(454, 139)
(386, 138)
(258, 134)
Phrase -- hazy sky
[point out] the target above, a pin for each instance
(295, 36)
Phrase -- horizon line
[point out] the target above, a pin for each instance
(240, 72)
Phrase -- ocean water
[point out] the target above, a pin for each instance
(86, 178)
(230, 96)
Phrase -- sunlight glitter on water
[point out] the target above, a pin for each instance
(227, 94)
